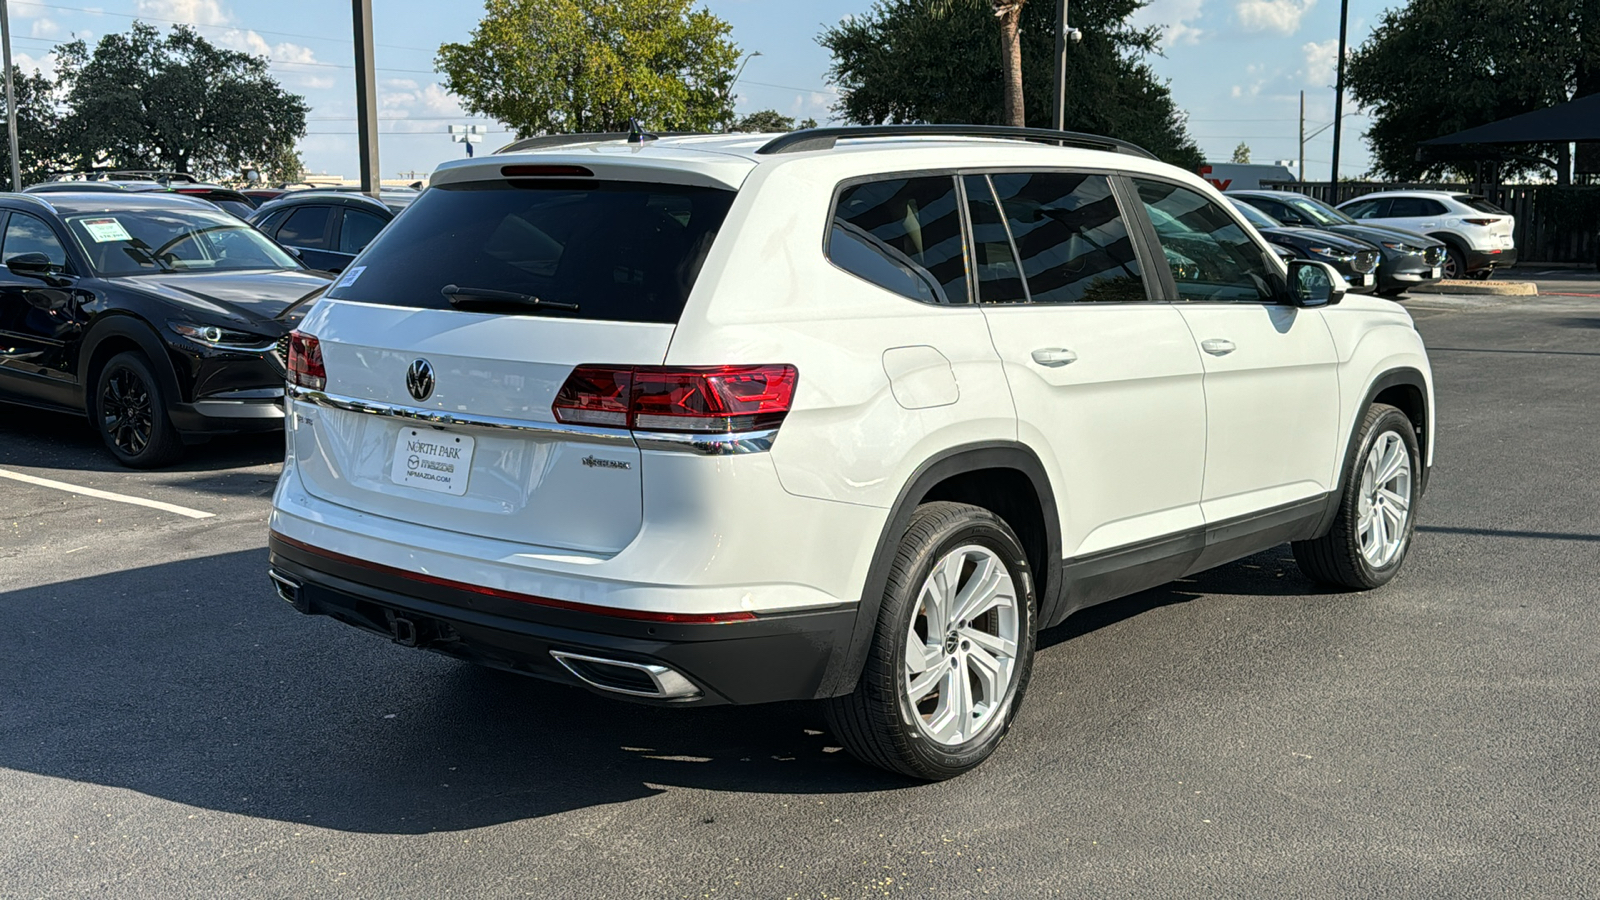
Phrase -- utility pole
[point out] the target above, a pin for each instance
(1302, 170)
(1059, 118)
(11, 97)
(366, 97)
(1338, 102)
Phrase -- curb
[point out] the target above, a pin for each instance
(1479, 288)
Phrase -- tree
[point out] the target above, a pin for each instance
(558, 66)
(38, 119)
(179, 103)
(1435, 67)
(767, 121)
(902, 62)
(1241, 154)
(1008, 13)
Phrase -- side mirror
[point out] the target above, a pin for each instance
(29, 265)
(1313, 284)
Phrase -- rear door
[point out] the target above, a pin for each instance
(1421, 214)
(309, 231)
(1107, 383)
(1271, 381)
(416, 381)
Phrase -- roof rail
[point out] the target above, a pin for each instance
(825, 138)
(548, 141)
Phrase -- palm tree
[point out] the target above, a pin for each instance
(1009, 13)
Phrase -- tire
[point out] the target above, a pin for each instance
(129, 410)
(1349, 555)
(929, 737)
(1455, 262)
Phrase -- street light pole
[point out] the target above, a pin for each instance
(11, 97)
(727, 95)
(1338, 102)
(1059, 117)
(366, 97)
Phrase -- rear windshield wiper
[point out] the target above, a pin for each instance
(468, 296)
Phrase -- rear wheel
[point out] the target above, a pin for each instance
(952, 652)
(1455, 262)
(130, 412)
(1372, 532)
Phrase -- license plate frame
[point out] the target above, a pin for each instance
(433, 460)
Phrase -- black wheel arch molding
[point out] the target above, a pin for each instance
(1399, 377)
(844, 669)
(116, 327)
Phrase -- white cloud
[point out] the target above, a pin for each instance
(45, 63)
(1282, 16)
(1173, 17)
(1321, 58)
(44, 27)
(193, 12)
(404, 98)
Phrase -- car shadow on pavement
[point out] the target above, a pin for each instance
(190, 681)
(34, 437)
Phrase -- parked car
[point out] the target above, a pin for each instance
(225, 199)
(741, 419)
(1409, 259)
(1479, 234)
(156, 315)
(328, 228)
(1356, 260)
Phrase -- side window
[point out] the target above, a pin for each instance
(28, 234)
(999, 275)
(904, 235)
(358, 230)
(307, 227)
(1071, 238)
(1414, 208)
(1210, 255)
(1368, 209)
(1283, 212)
(269, 225)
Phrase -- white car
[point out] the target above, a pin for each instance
(1478, 233)
(844, 414)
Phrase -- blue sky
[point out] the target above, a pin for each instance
(1236, 66)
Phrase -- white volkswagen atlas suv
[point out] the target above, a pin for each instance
(844, 414)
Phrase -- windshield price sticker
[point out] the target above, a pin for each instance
(432, 460)
(105, 231)
(350, 276)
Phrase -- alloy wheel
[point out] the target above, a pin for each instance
(125, 411)
(961, 646)
(1384, 505)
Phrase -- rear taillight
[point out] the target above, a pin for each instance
(305, 362)
(1480, 221)
(698, 399)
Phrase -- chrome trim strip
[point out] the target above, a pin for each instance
(669, 684)
(708, 444)
(440, 417)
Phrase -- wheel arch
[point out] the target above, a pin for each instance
(118, 334)
(1004, 477)
(1405, 388)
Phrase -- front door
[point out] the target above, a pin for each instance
(1107, 384)
(1271, 380)
(38, 321)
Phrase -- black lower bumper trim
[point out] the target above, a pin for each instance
(767, 659)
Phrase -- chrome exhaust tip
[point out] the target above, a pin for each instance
(617, 676)
(288, 590)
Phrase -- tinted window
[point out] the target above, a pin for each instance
(269, 225)
(621, 251)
(237, 207)
(307, 227)
(1481, 205)
(1211, 256)
(1367, 209)
(358, 230)
(1414, 207)
(902, 234)
(999, 276)
(1070, 237)
(26, 234)
(1280, 211)
(1255, 216)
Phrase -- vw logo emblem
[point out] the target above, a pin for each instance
(419, 380)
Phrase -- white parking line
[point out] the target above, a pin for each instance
(106, 495)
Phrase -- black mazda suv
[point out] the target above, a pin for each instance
(157, 316)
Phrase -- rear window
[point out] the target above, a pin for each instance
(619, 251)
(1482, 205)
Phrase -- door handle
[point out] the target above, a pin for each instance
(1217, 346)
(1054, 356)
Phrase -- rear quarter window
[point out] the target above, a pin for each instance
(619, 251)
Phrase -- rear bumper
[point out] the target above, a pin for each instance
(1478, 260)
(744, 659)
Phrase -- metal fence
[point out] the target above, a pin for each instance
(1554, 224)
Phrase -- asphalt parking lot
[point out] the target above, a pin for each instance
(168, 728)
